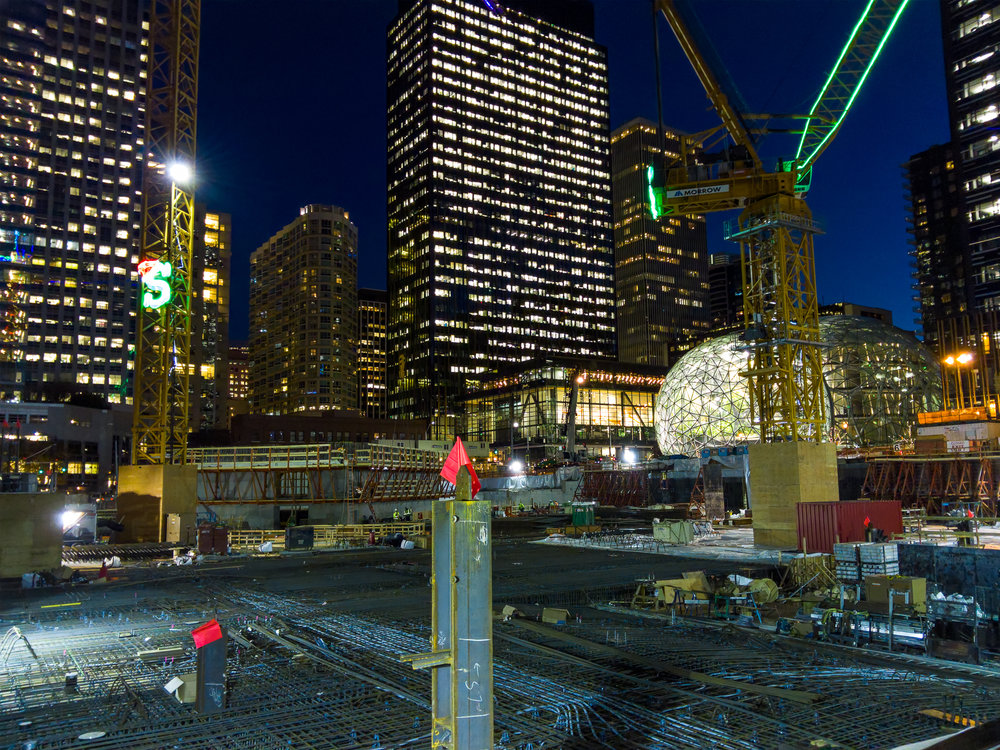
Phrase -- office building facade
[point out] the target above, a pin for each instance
(499, 196)
(303, 315)
(725, 291)
(661, 266)
(70, 152)
(372, 390)
(209, 382)
(939, 250)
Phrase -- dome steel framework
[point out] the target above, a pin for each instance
(876, 378)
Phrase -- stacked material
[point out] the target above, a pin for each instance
(879, 559)
(847, 562)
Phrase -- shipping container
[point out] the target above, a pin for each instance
(821, 525)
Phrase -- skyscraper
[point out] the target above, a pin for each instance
(238, 398)
(971, 33)
(725, 290)
(71, 145)
(937, 228)
(661, 267)
(303, 315)
(954, 198)
(371, 353)
(210, 320)
(499, 206)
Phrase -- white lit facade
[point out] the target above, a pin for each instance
(499, 196)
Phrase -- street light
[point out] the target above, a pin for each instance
(958, 361)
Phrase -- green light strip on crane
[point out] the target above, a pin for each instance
(652, 196)
(861, 80)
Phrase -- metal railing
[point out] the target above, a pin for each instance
(323, 536)
(268, 457)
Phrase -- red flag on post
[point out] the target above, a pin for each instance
(204, 634)
(456, 460)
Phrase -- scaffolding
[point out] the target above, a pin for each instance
(931, 483)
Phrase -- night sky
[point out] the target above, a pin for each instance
(292, 111)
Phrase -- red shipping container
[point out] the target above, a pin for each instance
(821, 525)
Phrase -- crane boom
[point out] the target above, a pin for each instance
(731, 118)
(775, 228)
(844, 83)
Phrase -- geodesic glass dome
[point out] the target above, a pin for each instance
(877, 378)
(704, 401)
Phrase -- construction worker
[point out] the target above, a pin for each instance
(395, 514)
(408, 514)
(520, 507)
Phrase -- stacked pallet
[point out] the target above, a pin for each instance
(879, 560)
(847, 562)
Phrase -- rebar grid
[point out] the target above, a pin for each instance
(302, 673)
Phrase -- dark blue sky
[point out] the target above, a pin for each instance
(292, 111)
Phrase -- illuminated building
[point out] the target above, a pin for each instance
(239, 380)
(66, 447)
(876, 379)
(371, 353)
(614, 407)
(210, 320)
(304, 315)
(73, 150)
(954, 196)
(661, 270)
(499, 199)
(21, 55)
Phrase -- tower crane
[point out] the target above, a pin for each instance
(775, 228)
(163, 337)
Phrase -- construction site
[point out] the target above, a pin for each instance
(315, 642)
(803, 561)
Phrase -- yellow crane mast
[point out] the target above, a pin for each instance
(775, 228)
(163, 340)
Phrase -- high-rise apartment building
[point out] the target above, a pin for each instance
(372, 391)
(499, 195)
(210, 320)
(304, 315)
(239, 380)
(72, 74)
(661, 266)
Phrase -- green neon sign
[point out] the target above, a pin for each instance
(653, 210)
(156, 291)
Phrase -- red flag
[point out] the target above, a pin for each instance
(457, 459)
(868, 522)
(207, 633)
(971, 514)
(103, 572)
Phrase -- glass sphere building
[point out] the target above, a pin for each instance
(877, 378)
